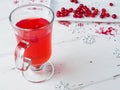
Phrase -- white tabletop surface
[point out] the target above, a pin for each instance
(84, 58)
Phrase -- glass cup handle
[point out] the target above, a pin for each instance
(22, 63)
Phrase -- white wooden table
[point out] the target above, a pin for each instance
(83, 58)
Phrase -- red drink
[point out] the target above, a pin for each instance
(37, 32)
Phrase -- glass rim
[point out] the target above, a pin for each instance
(10, 19)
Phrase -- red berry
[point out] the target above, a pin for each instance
(58, 14)
(103, 10)
(65, 14)
(86, 14)
(70, 9)
(82, 11)
(101, 16)
(62, 15)
(76, 1)
(85, 8)
(62, 9)
(71, 0)
(96, 11)
(107, 15)
(114, 16)
(75, 15)
(89, 11)
(78, 9)
(80, 15)
(93, 8)
(81, 5)
(103, 13)
(111, 4)
(92, 15)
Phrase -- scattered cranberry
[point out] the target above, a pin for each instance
(107, 15)
(93, 8)
(71, 0)
(16, 1)
(92, 15)
(114, 16)
(111, 4)
(62, 9)
(66, 23)
(102, 16)
(103, 10)
(74, 1)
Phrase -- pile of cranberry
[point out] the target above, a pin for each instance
(84, 11)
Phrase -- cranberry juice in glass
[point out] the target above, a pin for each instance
(33, 30)
(39, 50)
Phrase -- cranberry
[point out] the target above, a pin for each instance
(93, 8)
(104, 13)
(103, 10)
(114, 16)
(78, 10)
(102, 16)
(58, 15)
(96, 11)
(62, 15)
(70, 10)
(92, 15)
(85, 8)
(75, 15)
(66, 13)
(107, 15)
(71, 0)
(111, 4)
(87, 14)
(82, 11)
(74, 1)
(81, 5)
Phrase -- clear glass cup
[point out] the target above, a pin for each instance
(33, 30)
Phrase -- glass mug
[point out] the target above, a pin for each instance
(33, 30)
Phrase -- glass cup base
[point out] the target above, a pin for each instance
(44, 73)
